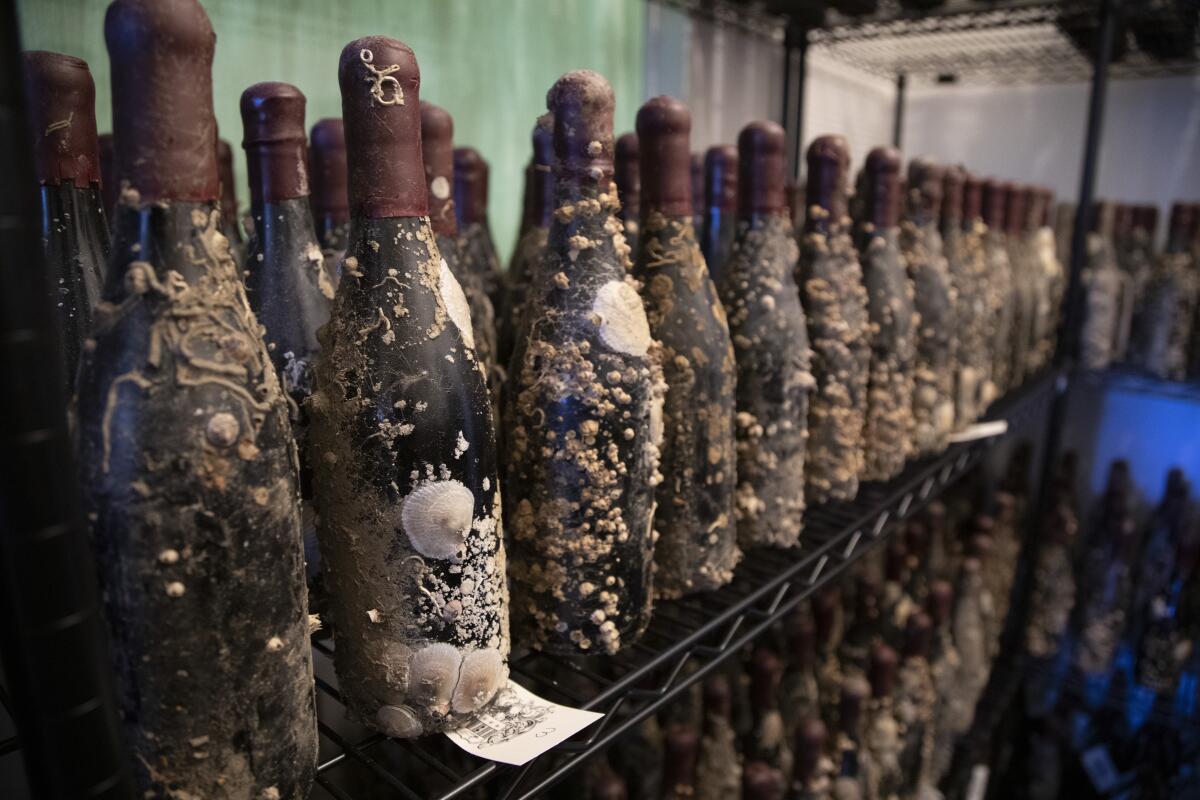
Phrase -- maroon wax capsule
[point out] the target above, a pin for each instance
(810, 744)
(830, 282)
(761, 781)
(681, 746)
(474, 230)
(1002, 305)
(202, 566)
(327, 181)
(627, 174)
(770, 338)
(402, 438)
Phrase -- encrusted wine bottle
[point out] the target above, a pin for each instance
(1103, 285)
(189, 465)
(231, 227)
(329, 200)
(949, 707)
(915, 702)
(696, 530)
(720, 207)
(1023, 297)
(437, 151)
(719, 770)
(1043, 268)
(1165, 317)
(474, 230)
(888, 424)
(583, 411)
(401, 436)
(934, 298)
(61, 100)
(768, 740)
(770, 340)
(1001, 307)
(812, 776)
(1050, 256)
(681, 747)
(962, 237)
(799, 696)
(628, 177)
(884, 777)
(830, 280)
(851, 756)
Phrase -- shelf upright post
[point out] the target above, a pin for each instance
(795, 69)
(52, 636)
(898, 116)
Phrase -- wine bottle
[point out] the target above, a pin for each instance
(934, 299)
(865, 627)
(1000, 310)
(915, 702)
(888, 424)
(719, 770)
(584, 408)
(963, 233)
(950, 714)
(851, 756)
(531, 246)
(61, 102)
(401, 436)
(189, 466)
(770, 341)
(812, 775)
(110, 187)
(437, 151)
(231, 227)
(835, 304)
(794, 191)
(327, 181)
(1041, 268)
(287, 283)
(681, 746)
(799, 695)
(696, 532)
(1102, 286)
(1133, 261)
(720, 207)
(828, 625)
(761, 781)
(1023, 295)
(884, 777)
(1163, 324)
(605, 784)
(981, 546)
(895, 603)
(627, 173)
(697, 190)
(768, 741)
(475, 232)
(1050, 255)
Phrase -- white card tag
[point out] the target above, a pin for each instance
(981, 430)
(518, 726)
(977, 788)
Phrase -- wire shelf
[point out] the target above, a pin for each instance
(686, 641)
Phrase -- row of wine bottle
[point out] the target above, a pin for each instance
(226, 402)
(1142, 306)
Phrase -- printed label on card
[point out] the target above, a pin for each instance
(518, 726)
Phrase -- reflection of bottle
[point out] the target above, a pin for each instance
(768, 741)
(719, 771)
(812, 776)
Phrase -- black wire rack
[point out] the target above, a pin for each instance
(686, 641)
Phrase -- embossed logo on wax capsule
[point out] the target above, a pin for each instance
(380, 78)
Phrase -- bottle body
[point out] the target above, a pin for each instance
(1002, 309)
(483, 316)
(404, 453)
(191, 478)
(963, 246)
(696, 548)
(530, 248)
(934, 300)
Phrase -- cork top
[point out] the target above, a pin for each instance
(882, 670)
(972, 197)
(437, 150)
(720, 177)
(995, 203)
(881, 188)
(327, 169)
(761, 781)
(940, 602)
(1014, 209)
(380, 83)
(274, 140)
(160, 53)
(761, 170)
(582, 103)
(664, 127)
(810, 744)
(926, 179)
(61, 99)
(627, 173)
(918, 635)
(828, 160)
(470, 185)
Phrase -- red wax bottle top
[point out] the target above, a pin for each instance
(881, 205)
(810, 744)
(437, 149)
(918, 634)
(582, 103)
(940, 601)
(766, 673)
(273, 137)
(160, 53)
(718, 698)
(995, 200)
(61, 98)
(761, 170)
(327, 169)
(664, 126)
(972, 196)
(470, 185)
(828, 160)
(627, 173)
(720, 177)
(380, 83)
(927, 178)
(855, 692)
(882, 670)
(1014, 209)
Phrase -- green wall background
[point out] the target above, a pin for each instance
(489, 62)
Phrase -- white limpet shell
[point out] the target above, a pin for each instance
(623, 324)
(398, 721)
(456, 304)
(432, 676)
(436, 516)
(482, 673)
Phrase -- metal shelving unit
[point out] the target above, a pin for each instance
(687, 639)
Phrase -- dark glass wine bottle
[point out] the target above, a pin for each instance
(761, 781)
(1163, 325)
(720, 207)
(962, 237)
(189, 462)
(287, 282)
(328, 198)
(799, 695)
(401, 437)
(531, 246)
(696, 546)
(231, 223)
(770, 341)
(61, 102)
(888, 424)
(583, 412)
(1001, 308)
(835, 305)
(719, 769)
(110, 187)
(915, 702)
(697, 190)
(1023, 296)
(852, 758)
(681, 747)
(768, 740)
(627, 175)
(811, 776)
(437, 150)
(883, 772)
(474, 231)
(934, 299)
